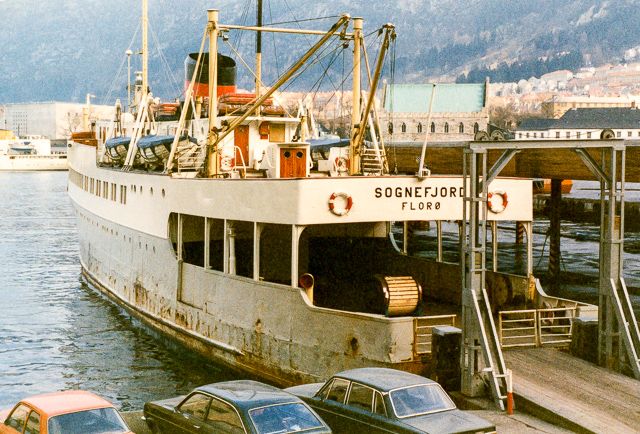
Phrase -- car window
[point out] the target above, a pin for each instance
(99, 420)
(196, 405)
(379, 407)
(338, 390)
(284, 418)
(224, 417)
(360, 397)
(33, 424)
(18, 417)
(421, 399)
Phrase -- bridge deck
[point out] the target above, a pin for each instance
(592, 398)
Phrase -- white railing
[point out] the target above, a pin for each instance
(536, 327)
(422, 332)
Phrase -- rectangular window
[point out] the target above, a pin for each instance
(567, 134)
(578, 135)
(123, 194)
(542, 135)
(98, 187)
(113, 192)
(557, 134)
(519, 135)
(628, 133)
(535, 135)
(618, 133)
(588, 134)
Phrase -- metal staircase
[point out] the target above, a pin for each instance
(627, 323)
(373, 161)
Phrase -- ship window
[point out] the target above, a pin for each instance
(243, 247)
(446, 127)
(568, 134)
(628, 133)
(275, 253)
(123, 194)
(193, 240)
(578, 134)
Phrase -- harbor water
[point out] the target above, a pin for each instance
(56, 332)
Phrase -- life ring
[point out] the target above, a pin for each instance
(342, 164)
(497, 201)
(343, 210)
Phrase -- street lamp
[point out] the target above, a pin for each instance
(128, 53)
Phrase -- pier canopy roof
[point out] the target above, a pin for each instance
(449, 98)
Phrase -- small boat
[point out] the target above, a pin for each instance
(117, 148)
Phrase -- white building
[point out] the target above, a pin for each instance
(53, 120)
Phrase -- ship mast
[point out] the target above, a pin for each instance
(145, 51)
(213, 165)
(258, 53)
(354, 151)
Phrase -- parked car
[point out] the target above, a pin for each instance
(381, 400)
(69, 412)
(236, 407)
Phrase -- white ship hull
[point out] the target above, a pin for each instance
(252, 323)
(23, 163)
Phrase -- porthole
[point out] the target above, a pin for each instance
(299, 154)
(154, 249)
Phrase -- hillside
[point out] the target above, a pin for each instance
(63, 49)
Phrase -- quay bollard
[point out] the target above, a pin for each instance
(509, 392)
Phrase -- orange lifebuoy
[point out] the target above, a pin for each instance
(494, 205)
(343, 210)
(342, 164)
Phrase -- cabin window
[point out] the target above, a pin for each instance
(390, 127)
(446, 127)
(461, 128)
(542, 135)
(403, 127)
(476, 128)
(433, 127)
(123, 194)
(193, 239)
(419, 127)
(276, 132)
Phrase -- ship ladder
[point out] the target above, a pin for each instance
(373, 161)
(627, 323)
(491, 350)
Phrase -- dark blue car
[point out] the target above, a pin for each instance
(381, 400)
(238, 407)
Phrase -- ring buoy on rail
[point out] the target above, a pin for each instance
(340, 203)
(497, 201)
(342, 164)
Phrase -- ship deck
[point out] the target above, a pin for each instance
(574, 393)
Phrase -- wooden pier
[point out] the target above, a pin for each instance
(573, 393)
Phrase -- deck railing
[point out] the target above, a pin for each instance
(422, 329)
(536, 327)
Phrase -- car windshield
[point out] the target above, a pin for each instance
(415, 400)
(97, 421)
(284, 418)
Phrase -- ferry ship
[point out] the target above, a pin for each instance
(234, 236)
(28, 153)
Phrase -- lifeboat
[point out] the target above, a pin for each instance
(155, 148)
(117, 148)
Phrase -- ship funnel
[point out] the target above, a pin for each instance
(226, 74)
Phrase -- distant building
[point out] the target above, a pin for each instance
(458, 111)
(583, 123)
(558, 105)
(53, 120)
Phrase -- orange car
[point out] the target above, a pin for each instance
(70, 412)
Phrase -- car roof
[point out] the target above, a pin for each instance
(248, 394)
(383, 379)
(57, 403)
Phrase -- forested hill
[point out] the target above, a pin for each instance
(64, 49)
